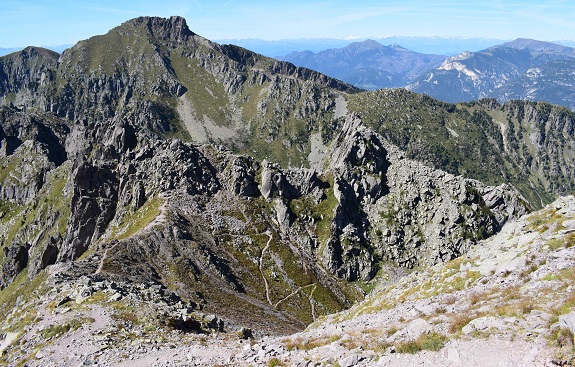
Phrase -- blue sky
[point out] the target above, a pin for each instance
(55, 22)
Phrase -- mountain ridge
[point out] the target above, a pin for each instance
(150, 163)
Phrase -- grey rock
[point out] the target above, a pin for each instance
(453, 356)
(414, 329)
(283, 214)
(242, 179)
(484, 324)
(351, 361)
(567, 321)
(16, 259)
(92, 208)
(116, 297)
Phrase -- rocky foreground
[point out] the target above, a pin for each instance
(508, 302)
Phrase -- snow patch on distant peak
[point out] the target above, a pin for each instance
(461, 68)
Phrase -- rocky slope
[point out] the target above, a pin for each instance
(509, 300)
(527, 144)
(125, 167)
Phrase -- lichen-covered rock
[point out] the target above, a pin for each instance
(16, 259)
(92, 208)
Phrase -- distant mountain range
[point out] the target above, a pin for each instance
(522, 69)
(368, 64)
(433, 45)
(449, 46)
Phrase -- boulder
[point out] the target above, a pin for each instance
(567, 321)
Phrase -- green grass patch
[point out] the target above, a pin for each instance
(324, 212)
(432, 342)
(542, 221)
(51, 207)
(205, 93)
(137, 221)
(275, 362)
(56, 330)
(21, 288)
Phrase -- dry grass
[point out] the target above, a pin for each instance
(516, 309)
(459, 321)
(432, 342)
(567, 306)
(301, 343)
(478, 297)
(449, 299)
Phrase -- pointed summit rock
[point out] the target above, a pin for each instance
(174, 28)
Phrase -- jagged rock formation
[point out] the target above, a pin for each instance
(411, 213)
(129, 161)
(527, 144)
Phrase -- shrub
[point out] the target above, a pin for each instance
(432, 342)
(458, 322)
(275, 362)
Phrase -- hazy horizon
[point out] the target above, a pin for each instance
(33, 22)
(448, 46)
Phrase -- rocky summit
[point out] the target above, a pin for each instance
(163, 195)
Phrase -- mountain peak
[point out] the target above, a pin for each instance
(174, 27)
(536, 46)
(368, 44)
(33, 51)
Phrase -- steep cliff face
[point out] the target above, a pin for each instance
(26, 77)
(528, 144)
